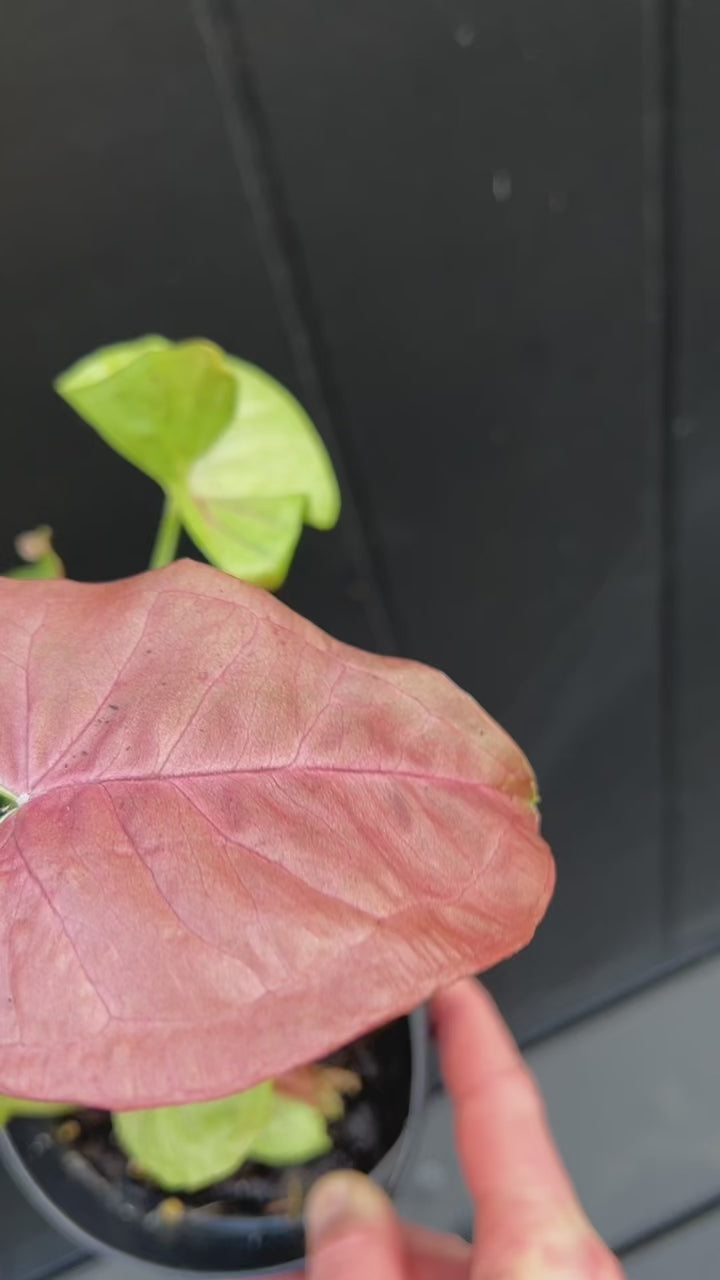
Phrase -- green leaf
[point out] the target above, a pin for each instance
(237, 456)
(245, 500)
(8, 804)
(297, 1132)
(42, 569)
(252, 539)
(106, 361)
(42, 561)
(159, 405)
(190, 1147)
(11, 1107)
(270, 450)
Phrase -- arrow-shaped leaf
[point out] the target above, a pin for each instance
(238, 457)
(234, 843)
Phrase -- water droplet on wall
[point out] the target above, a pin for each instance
(502, 185)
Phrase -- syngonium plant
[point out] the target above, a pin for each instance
(210, 810)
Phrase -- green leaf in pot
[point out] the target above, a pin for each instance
(190, 1147)
(12, 1107)
(295, 1133)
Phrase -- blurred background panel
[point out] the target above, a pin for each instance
(694, 478)
(472, 198)
(124, 213)
(478, 239)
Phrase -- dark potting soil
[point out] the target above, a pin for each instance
(372, 1122)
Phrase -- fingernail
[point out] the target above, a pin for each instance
(343, 1198)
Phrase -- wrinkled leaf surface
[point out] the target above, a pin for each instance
(238, 843)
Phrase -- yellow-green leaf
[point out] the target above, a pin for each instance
(297, 1132)
(238, 457)
(245, 500)
(189, 1147)
(253, 539)
(106, 361)
(11, 1107)
(270, 450)
(159, 405)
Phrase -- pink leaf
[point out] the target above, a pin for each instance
(239, 842)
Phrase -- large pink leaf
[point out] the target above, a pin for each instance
(240, 842)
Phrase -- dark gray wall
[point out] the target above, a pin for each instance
(695, 479)
(477, 237)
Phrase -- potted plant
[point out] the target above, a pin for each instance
(236, 855)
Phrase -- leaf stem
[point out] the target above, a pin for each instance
(8, 804)
(168, 536)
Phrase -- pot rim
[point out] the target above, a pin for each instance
(386, 1173)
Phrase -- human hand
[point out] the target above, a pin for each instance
(529, 1224)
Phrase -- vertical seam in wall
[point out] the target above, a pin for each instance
(671, 850)
(662, 232)
(220, 28)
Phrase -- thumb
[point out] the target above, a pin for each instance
(352, 1231)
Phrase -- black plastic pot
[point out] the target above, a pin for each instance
(83, 1205)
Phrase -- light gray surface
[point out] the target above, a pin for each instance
(634, 1102)
(633, 1099)
(692, 1253)
(433, 1191)
(107, 1269)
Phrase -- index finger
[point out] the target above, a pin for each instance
(529, 1218)
(502, 1133)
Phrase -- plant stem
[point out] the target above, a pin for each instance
(167, 537)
